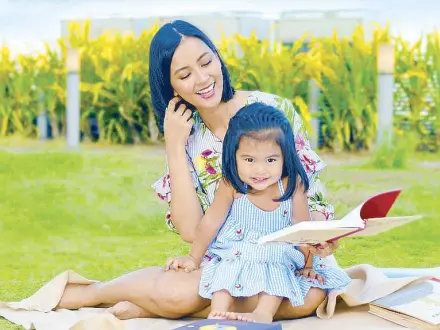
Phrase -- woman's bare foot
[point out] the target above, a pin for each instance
(218, 315)
(126, 310)
(251, 317)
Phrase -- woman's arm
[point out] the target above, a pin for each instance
(301, 213)
(186, 211)
(319, 207)
(213, 219)
(320, 210)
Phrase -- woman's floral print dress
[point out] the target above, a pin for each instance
(204, 151)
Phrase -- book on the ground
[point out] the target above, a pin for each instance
(367, 219)
(229, 325)
(416, 306)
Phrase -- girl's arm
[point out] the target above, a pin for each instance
(301, 212)
(213, 219)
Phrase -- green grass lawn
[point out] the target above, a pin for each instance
(95, 213)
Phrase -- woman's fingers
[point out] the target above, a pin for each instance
(172, 104)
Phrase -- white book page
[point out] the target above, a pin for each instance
(378, 225)
(421, 301)
(353, 218)
(309, 232)
(308, 236)
(321, 231)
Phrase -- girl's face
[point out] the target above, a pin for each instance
(196, 74)
(259, 163)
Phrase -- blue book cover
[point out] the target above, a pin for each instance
(229, 325)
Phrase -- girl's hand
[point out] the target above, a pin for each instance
(177, 123)
(187, 263)
(309, 273)
(323, 249)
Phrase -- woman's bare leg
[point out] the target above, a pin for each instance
(151, 292)
(154, 292)
(312, 300)
(285, 312)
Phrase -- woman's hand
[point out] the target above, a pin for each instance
(323, 249)
(177, 123)
(187, 263)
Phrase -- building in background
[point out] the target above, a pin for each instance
(286, 26)
(25, 24)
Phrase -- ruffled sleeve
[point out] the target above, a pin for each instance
(163, 191)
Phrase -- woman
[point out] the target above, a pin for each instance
(185, 65)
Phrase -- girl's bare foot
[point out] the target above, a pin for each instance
(251, 317)
(218, 315)
(126, 310)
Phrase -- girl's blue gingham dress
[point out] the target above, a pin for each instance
(236, 263)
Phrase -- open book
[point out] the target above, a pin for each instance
(367, 219)
(416, 306)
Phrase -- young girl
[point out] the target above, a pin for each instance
(263, 190)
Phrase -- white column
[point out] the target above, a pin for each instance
(73, 98)
(314, 108)
(385, 103)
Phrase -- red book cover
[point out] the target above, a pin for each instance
(367, 219)
(376, 206)
(379, 205)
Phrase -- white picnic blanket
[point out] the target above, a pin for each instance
(341, 310)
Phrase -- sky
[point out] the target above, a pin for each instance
(24, 24)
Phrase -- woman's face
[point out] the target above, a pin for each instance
(196, 74)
